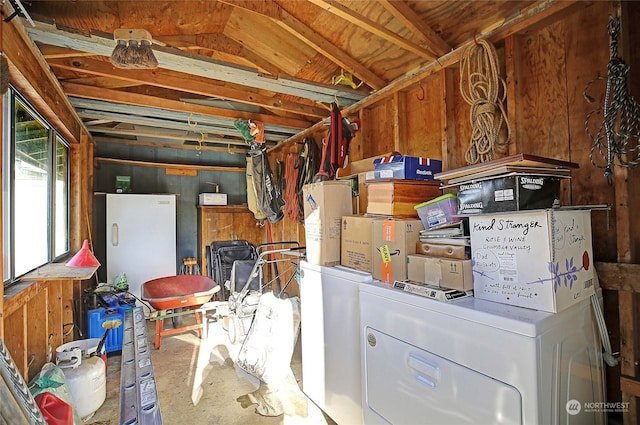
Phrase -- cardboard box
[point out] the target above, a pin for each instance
(406, 167)
(442, 272)
(360, 166)
(399, 197)
(324, 205)
(355, 249)
(540, 259)
(510, 193)
(212, 199)
(393, 240)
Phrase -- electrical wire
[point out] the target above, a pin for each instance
(485, 91)
(607, 355)
(115, 291)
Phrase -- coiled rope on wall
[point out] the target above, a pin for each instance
(618, 138)
(485, 91)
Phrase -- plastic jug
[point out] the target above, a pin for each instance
(54, 410)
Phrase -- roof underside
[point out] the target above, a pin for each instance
(278, 62)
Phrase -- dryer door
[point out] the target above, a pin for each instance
(407, 385)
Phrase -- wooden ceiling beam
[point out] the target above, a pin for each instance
(127, 98)
(403, 12)
(163, 124)
(170, 135)
(176, 60)
(205, 146)
(101, 82)
(310, 37)
(28, 71)
(191, 121)
(53, 52)
(170, 165)
(189, 84)
(372, 27)
(222, 43)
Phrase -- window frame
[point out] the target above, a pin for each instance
(54, 138)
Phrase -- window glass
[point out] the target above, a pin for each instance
(61, 196)
(6, 184)
(30, 191)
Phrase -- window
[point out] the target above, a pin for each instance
(36, 190)
(61, 196)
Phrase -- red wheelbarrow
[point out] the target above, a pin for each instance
(174, 296)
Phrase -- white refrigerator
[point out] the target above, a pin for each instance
(140, 238)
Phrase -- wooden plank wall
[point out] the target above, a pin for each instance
(547, 67)
(38, 316)
(39, 319)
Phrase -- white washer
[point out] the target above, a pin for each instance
(330, 339)
(473, 361)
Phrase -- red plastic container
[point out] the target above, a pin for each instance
(54, 410)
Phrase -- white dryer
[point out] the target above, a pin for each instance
(476, 362)
(330, 333)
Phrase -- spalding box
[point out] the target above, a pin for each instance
(539, 259)
(510, 193)
(406, 167)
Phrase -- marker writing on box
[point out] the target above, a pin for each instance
(312, 202)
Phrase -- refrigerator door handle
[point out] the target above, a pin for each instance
(114, 234)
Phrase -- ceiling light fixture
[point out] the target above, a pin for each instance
(133, 50)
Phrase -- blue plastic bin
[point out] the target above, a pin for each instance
(95, 319)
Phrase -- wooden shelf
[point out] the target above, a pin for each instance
(58, 271)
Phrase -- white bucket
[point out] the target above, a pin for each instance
(84, 374)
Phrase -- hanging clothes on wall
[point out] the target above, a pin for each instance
(268, 195)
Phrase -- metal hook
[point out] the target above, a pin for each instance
(195, 123)
(421, 97)
(200, 140)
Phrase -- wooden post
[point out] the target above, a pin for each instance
(399, 106)
(627, 203)
(511, 78)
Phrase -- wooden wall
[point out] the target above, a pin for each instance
(547, 65)
(37, 314)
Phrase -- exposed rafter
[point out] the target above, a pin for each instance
(402, 12)
(367, 24)
(223, 44)
(173, 142)
(301, 31)
(186, 83)
(179, 61)
(108, 95)
(194, 121)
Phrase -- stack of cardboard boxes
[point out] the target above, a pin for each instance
(379, 240)
(525, 250)
(520, 250)
(442, 253)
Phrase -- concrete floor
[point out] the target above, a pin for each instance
(184, 360)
